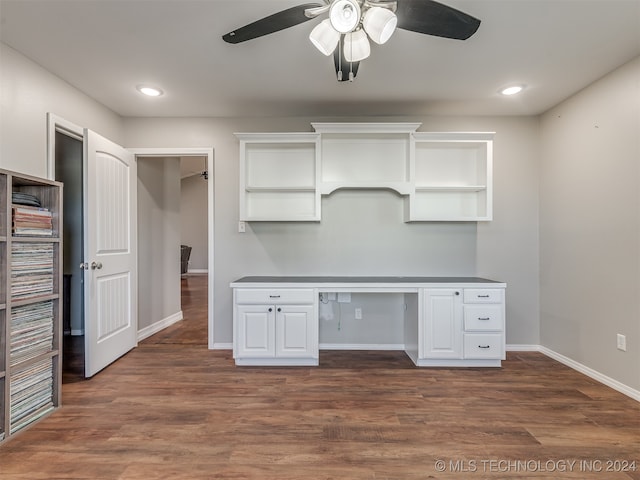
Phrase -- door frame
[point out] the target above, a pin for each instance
(59, 124)
(208, 153)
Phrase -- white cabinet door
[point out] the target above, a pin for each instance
(296, 332)
(256, 333)
(442, 323)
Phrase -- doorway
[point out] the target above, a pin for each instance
(68, 170)
(74, 139)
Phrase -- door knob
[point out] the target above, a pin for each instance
(84, 266)
(96, 265)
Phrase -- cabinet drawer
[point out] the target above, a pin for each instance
(267, 296)
(482, 295)
(483, 345)
(483, 317)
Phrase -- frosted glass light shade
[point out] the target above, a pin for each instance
(380, 23)
(324, 37)
(356, 46)
(344, 15)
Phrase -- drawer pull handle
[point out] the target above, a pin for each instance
(484, 346)
(483, 296)
(484, 318)
(274, 296)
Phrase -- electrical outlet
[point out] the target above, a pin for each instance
(358, 313)
(344, 297)
(621, 342)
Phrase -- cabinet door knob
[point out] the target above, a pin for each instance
(279, 309)
(457, 293)
(270, 309)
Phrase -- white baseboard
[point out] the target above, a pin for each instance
(159, 325)
(589, 372)
(77, 333)
(222, 346)
(515, 347)
(197, 271)
(361, 346)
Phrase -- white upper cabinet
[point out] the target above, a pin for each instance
(443, 176)
(365, 155)
(452, 175)
(279, 176)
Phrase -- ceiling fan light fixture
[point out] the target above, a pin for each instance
(356, 46)
(344, 15)
(380, 23)
(324, 37)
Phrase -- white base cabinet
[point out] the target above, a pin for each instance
(284, 332)
(462, 327)
(448, 322)
(441, 323)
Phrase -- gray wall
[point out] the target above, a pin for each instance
(158, 239)
(590, 225)
(193, 219)
(362, 232)
(27, 93)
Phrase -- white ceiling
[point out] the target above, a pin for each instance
(107, 47)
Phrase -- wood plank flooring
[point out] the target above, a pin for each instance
(171, 409)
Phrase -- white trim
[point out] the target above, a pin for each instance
(58, 124)
(222, 346)
(197, 271)
(515, 347)
(77, 333)
(589, 372)
(154, 328)
(210, 167)
(361, 346)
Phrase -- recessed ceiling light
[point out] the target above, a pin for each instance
(149, 91)
(512, 90)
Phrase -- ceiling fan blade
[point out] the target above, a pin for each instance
(341, 63)
(273, 23)
(433, 18)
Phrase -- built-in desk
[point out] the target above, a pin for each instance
(448, 321)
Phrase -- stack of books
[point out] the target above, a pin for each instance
(32, 221)
(31, 394)
(31, 331)
(31, 270)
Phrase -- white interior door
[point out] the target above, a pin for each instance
(110, 235)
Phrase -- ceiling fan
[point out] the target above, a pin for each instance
(352, 23)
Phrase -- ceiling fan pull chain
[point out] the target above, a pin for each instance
(340, 58)
(351, 63)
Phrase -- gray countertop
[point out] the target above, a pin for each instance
(362, 280)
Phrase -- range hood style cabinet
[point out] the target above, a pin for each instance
(443, 176)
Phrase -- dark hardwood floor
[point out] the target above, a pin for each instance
(171, 409)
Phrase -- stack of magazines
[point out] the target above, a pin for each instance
(34, 221)
(31, 394)
(31, 270)
(31, 331)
